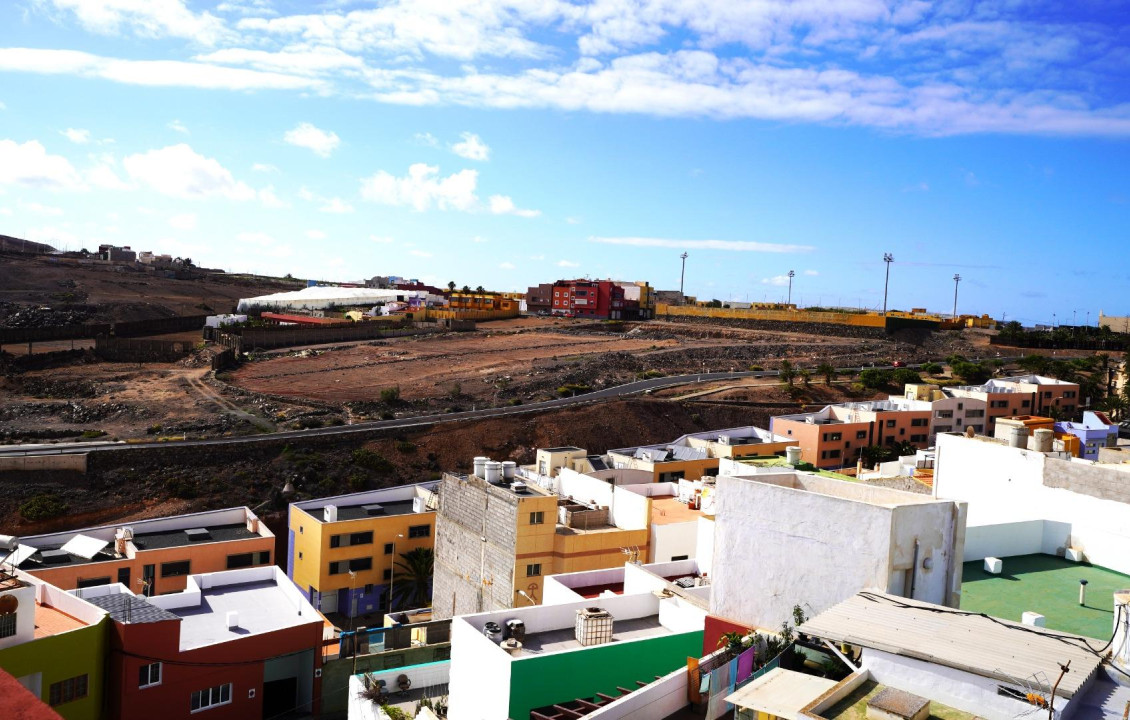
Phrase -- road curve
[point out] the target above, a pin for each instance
(632, 388)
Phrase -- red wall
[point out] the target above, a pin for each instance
(239, 662)
(714, 629)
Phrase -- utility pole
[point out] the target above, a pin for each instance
(792, 274)
(887, 258)
(956, 281)
(682, 274)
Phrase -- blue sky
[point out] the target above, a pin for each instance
(509, 142)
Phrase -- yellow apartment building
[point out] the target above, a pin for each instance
(341, 551)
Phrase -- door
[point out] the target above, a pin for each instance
(280, 697)
(328, 601)
(148, 576)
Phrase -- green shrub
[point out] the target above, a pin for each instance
(370, 460)
(43, 507)
(649, 374)
(902, 376)
(91, 434)
(406, 446)
(386, 415)
(153, 430)
(932, 368)
(514, 401)
(573, 389)
(756, 368)
(391, 395)
(309, 422)
(874, 378)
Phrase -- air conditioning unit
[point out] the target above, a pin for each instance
(518, 487)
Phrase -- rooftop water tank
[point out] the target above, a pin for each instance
(509, 468)
(1043, 438)
(1018, 437)
(792, 455)
(493, 472)
(480, 464)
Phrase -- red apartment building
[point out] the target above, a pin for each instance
(239, 644)
(591, 299)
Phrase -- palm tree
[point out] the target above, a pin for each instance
(413, 579)
(787, 373)
(451, 286)
(828, 371)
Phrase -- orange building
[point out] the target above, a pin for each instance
(1022, 395)
(835, 435)
(151, 556)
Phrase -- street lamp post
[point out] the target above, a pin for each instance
(682, 275)
(956, 281)
(887, 258)
(792, 274)
(392, 571)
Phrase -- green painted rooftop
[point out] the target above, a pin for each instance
(854, 706)
(1049, 585)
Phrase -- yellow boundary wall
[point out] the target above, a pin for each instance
(873, 320)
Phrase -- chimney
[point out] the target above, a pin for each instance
(233, 619)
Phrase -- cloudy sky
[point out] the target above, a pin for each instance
(507, 142)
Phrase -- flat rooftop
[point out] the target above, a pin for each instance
(52, 621)
(1046, 584)
(854, 706)
(142, 541)
(667, 510)
(128, 608)
(565, 639)
(263, 607)
(389, 508)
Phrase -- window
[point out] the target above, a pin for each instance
(174, 569)
(533, 570)
(386, 575)
(1047, 396)
(356, 565)
(829, 454)
(358, 538)
(211, 697)
(241, 560)
(917, 438)
(419, 531)
(974, 414)
(944, 414)
(1068, 394)
(537, 518)
(265, 557)
(388, 548)
(861, 435)
(890, 423)
(836, 436)
(369, 589)
(918, 422)
(1025, 403)
(676, 558)
(93, 582)
(7, 625)
(149, 675)
(67, 690)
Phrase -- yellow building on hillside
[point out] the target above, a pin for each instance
(342, 550)
(696, 455)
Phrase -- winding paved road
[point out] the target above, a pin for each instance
(633, 388)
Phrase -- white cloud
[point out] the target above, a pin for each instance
(426, 139)
(315, 235)
(183, 221)
(3, 106)
(422, 188)
(507, 266)
(39, 209)
(736, 245)
(145, 18)
(301, 60)
(478, 239)
(177, 126)
(269, 199)
(777, 280)
(179, 171)
(6, 211)
(503, 205)
(29, 164)
(335, 205)
(151, 73)
(420, 253)
(322, 142)
(573, 220)
(77, 136)
(471, 147)
(103, 174)
(567, 264)
(264, 168)
(812, 273)
(262, 244)
(56, 236)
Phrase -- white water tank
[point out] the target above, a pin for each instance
(509, 468)
(1043, 438)
(792, 455)
(329, 513)
(480, 465)
(1018, 437)
(493, 471)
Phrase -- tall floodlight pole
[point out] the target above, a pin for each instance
(682, 274)
(792, 274)
(956, 281)
(887, 258)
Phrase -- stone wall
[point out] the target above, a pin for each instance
(1094, 480)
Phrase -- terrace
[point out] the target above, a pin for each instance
(854, 706)
(1049, 585)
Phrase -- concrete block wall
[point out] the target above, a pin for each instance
(470, 509)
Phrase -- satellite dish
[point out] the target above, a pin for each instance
(8, 604)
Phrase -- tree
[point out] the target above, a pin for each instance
(903, 448)
(466, 289)
(412, 579)
(970, 372)
(1033, 363)
(874, 378)
(787, 372)
(874, 454)
(451, 286)
(827, 371)
(903, 376)
(932, 368)
(480, 290)
(805, 376)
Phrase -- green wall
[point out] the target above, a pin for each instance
(538, 681)
(62, 656)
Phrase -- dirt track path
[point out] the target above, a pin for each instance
(196, 383)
